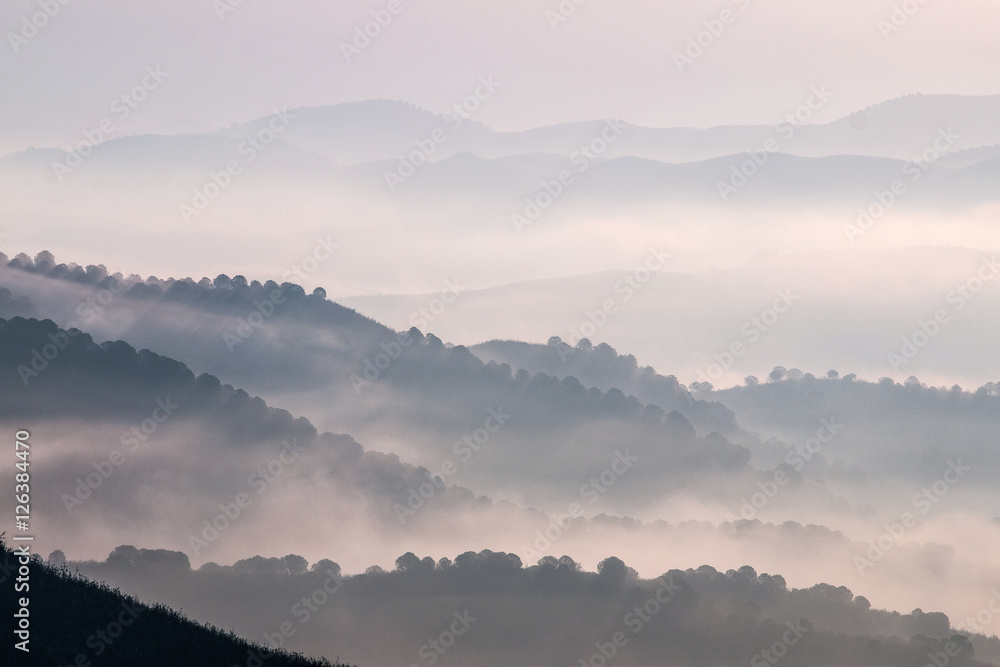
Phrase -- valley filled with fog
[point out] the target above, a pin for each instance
(513, 334)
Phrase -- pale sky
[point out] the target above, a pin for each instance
(606, 59)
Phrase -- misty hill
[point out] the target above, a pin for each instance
(385, 407)
(549, 613)
(77, 621)
(893, 427)
(11, 306)
(122, 427)
(667, 325)
(358, 132)
(601, 366)
(318, 359)
(899, 128)
(905, 126)
(177, 488)
(379, 385)
(776, 179)
(158, 161)
(163, 170)
(968, 157)
(576, 424)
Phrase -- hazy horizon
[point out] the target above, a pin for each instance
(451, 334)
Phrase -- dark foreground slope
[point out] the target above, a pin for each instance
(74, 621)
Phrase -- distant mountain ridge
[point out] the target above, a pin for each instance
(899, 128)
(162, 171)
(358, 132)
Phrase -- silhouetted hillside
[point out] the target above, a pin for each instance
(601, 366)
(377, 384)
(554, 612)
(11, 306)
(891, 428)
(75, 621)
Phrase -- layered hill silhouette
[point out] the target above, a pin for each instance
(165, 170)
(586, 427)
(76, 620)
(346, 152)
(553, 612)
(666, 323)
(381, 129)
(890, 428)
(355, 376)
